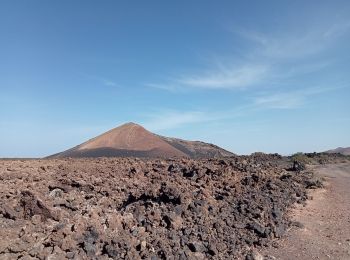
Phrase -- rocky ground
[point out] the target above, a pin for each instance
(325, 232)
(147, 209)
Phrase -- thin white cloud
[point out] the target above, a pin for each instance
(228, 77)
(170, 88)
(288, 47)
(280, 101)
(288, 100)
(272, 58)
(108, 83)
(170, 119)
(102, 80)
(174, 119)
(292, 46)
(221, 77)
(337, 30)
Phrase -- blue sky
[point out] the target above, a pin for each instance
(269, 76)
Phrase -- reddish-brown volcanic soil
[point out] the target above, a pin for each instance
(129, 137)
(132, 140)
(155, 209)
(129, 140)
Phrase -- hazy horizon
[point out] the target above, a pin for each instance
(249, 77)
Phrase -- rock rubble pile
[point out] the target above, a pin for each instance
(125, 208)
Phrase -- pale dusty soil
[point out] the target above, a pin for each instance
(326, 221)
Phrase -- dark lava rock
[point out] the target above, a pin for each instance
(89, 241)
(8, 212)
(280, 229)
(313, 183)
(257, 228)
(298, 166)
(126, 208)
(297, 224)
(196, 247)
(33, 206)
(276, 212)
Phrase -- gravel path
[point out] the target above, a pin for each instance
(326, 221)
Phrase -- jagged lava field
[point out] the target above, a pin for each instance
(149, 197)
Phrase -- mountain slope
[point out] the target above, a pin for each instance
(132, 140)
(197, 149)
(341, 150)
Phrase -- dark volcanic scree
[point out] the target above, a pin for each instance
(124, 208)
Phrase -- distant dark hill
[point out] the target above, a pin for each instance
(197, 149)
(132, 140)
(341, 150)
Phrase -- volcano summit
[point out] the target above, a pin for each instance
(132, 140)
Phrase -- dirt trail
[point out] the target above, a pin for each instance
(326, 221)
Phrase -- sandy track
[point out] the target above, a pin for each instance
(326, 220)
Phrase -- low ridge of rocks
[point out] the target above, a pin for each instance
(123, 208)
